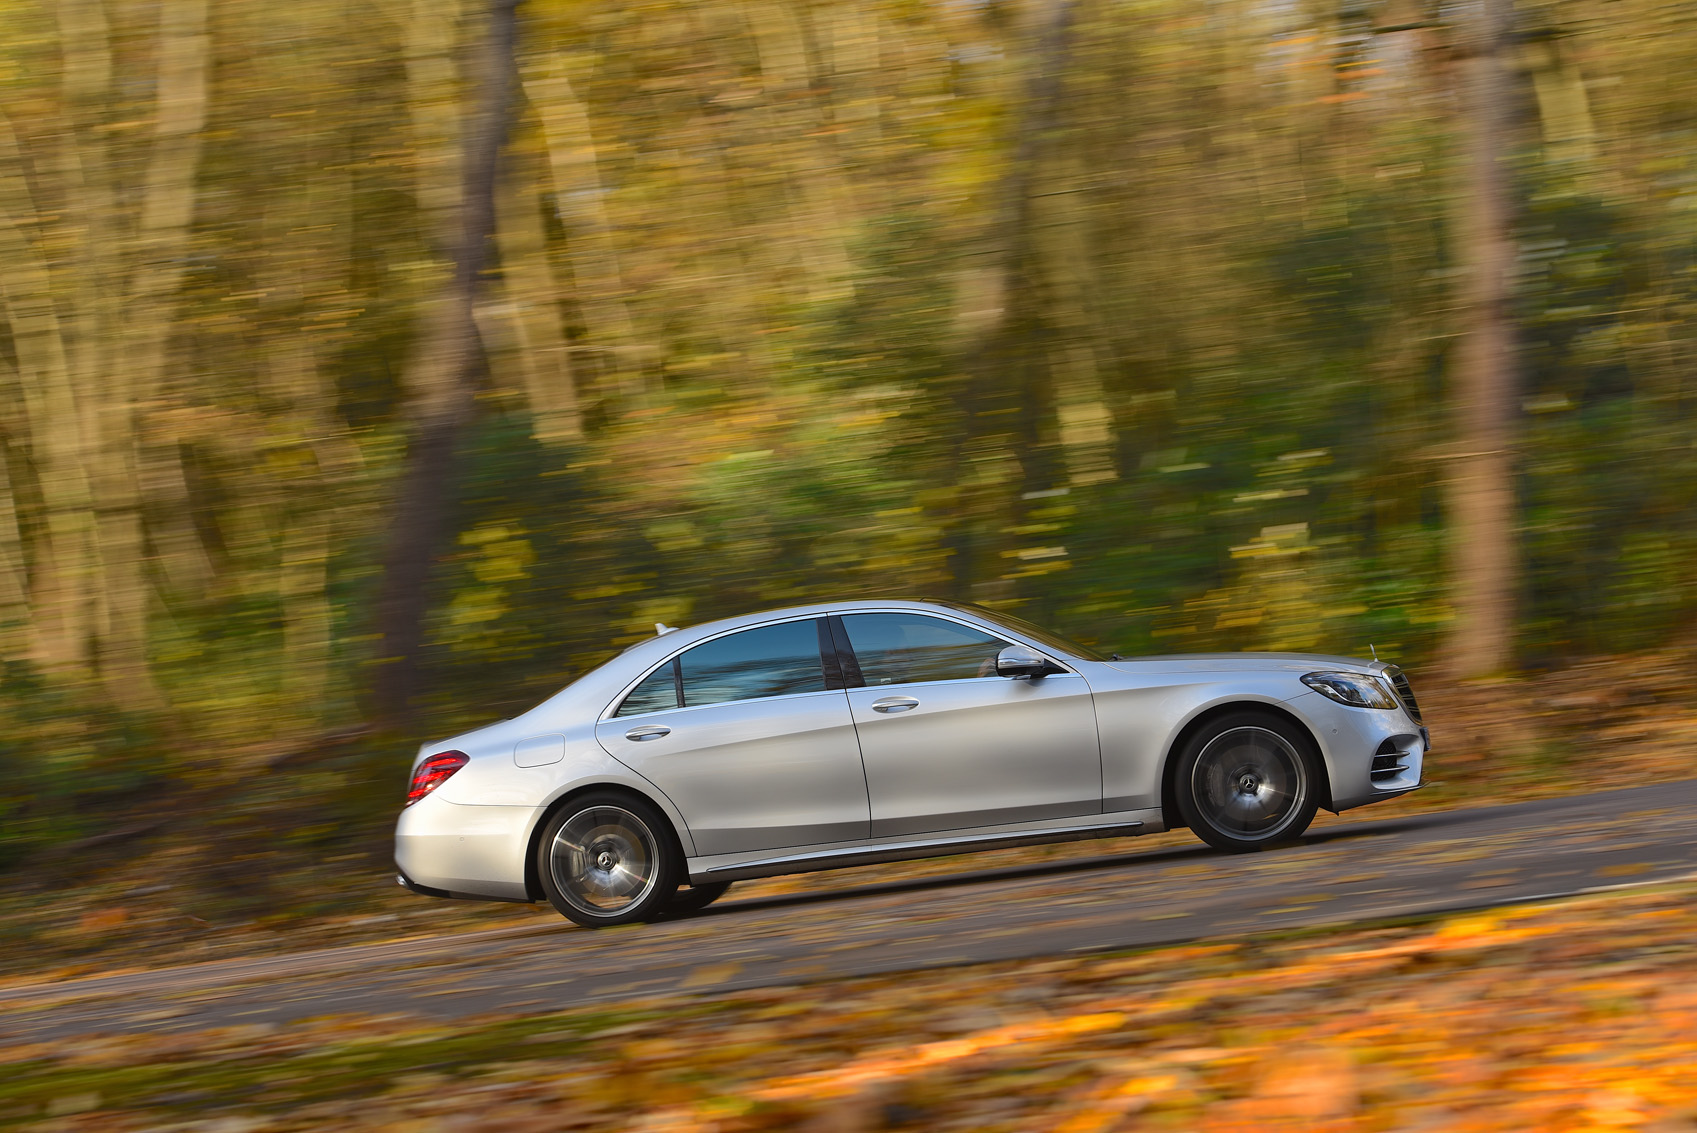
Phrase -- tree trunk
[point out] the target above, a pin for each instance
(438, 178)
(1007, 395)
(443, 376)
(133, 373)
(1483, 517)
(819, 214)
(62, 581)
(14, 581)
(533, 353)
(574, 175)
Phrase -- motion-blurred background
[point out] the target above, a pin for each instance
(1173, 324)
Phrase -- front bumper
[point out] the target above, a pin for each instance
(1357, 742)
(455, 850)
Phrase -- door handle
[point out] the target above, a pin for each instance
(648, 732)
(894, 704)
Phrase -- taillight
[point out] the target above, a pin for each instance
(433, 772)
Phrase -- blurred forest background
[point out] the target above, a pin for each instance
(1148, 319)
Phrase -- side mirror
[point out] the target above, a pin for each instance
(1019, 661)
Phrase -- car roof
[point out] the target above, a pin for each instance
(679, 638)
(817, 609)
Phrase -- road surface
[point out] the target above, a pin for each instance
(1353, 871)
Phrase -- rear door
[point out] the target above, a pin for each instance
(749, 743)
(948, 744)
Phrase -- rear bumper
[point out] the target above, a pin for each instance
(406, 882)
(445, 849)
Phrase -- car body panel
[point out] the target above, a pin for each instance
(494, 778)
(1138, 709)
(752, 774)
(977, 752)
(469, 850)
(1142, 715)
(1244, 663)
(539, 751)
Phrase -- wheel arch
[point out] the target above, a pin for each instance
(533, 876)
(1169, 759)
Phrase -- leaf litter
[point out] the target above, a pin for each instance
(1575, 1014)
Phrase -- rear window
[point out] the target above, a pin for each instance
(775, 660)
(657, 692)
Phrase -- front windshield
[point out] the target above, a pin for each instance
(1035, 632)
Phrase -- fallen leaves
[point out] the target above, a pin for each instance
(903, 1062)
(1572, 1015)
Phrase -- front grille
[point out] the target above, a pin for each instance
(1405, 693)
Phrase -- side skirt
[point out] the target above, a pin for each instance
(840, 857)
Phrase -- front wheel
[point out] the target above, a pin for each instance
(608, 859)
(1248, 780)
(695, 898)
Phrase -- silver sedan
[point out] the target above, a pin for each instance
(847, 733)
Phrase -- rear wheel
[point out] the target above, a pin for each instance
(607, 859)
(1248, 780)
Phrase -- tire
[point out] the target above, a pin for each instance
(1248, 780)
(695, 898)
(608, 858)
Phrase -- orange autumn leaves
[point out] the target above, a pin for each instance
(1489, 1056)
(1563, 1016)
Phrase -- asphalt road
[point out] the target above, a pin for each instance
(1352, 871)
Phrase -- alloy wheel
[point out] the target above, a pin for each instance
(1249, 783)
(604, 860)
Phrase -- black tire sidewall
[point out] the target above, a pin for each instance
(668, 857)
(1307, 806)
(695, 898)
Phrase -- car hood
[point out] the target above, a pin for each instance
(1246, 662)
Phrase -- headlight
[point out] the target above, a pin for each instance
(1352, 689)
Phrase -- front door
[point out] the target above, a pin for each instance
(948, 744)
(759, 754)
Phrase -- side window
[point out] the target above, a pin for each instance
(657, 692)
(769, 661)
(898, 649)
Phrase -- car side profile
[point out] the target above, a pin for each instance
(848, 733)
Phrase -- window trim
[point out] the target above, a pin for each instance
(677, 691)
(846, 660)
(834, 678)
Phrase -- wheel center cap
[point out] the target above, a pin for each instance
(1249, 784)
(606, 860)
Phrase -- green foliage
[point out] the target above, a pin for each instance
(797, 300)
(72, 767)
